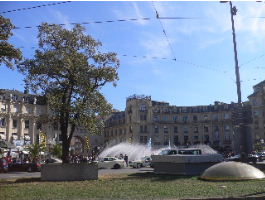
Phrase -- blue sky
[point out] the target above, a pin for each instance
(204, 70)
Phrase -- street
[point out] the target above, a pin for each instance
(127, 170)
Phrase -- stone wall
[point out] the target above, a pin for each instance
(69, 172)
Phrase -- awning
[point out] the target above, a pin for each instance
(6, 145)
(26, 137)
(15, 137)
(25, 152)
(2, 136)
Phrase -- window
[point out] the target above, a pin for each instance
(39, 125)
(27, 124)
(175, 129)
(156, 129)
(215, 117)
(156, 118)
(55, 126)
(143, 139)
(205, 117)
(195, 118)
(227, 136)
(176, 140)
(2, 122)
(165, 118)
(28, 109)
(186, 139)
(206, 139)
(206, 129)
(15, 108)
(15, 97)
(166, 140)
(143, 107)
(141, 129)
(165, 129)
(185, 129)
(142, 117)
(14, 123)
(185, 119)
(256, 113)
(175, 118)
(196, 130)
(196, 138)
(226, 116)
(227, 127)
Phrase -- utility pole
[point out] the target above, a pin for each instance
(239, 114)
(233, 11)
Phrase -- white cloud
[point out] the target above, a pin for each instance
(133, 11)
(209, 42)
(61, 18)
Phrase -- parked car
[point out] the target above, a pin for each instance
(3, 165)
(26, 167)
(251, 158)
(53, 160)
(111, 162)
(261, 156)
(143, 162)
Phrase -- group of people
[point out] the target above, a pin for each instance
(125, 158)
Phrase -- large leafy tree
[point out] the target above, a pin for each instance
(70, 70)
(8, 54)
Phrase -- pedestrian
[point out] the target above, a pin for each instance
(126, 159)
(121, 156)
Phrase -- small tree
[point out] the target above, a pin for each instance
(70, 70)
(57, 150)
(35, 151)
(8, 53)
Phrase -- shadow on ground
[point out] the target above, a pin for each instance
(158, 177)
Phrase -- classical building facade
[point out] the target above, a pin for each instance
(257, 101)
(20, 123)
(145, 119)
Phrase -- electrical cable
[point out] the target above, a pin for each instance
(163, 29)
(29, 8)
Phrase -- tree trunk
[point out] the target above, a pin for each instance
(65, 143)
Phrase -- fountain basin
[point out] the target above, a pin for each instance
(184, 164)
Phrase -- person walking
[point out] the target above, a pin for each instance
(126, 159)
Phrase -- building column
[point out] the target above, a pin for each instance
(8, 127)
(32, 131)
(21, 129)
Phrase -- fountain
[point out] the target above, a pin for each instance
(134, 151)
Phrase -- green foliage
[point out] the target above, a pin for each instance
(70, 70)
(8, 53)
(56, 150)
(35, 150)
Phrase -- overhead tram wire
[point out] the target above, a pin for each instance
(88, 22)
(163, 29)
(33, 7)
(99, 22)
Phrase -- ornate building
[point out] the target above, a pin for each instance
(145, 119)
(20, 124)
